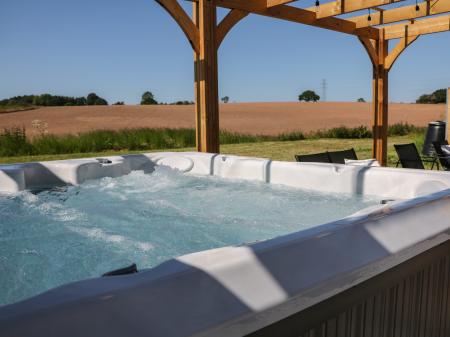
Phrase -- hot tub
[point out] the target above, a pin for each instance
(298, 255)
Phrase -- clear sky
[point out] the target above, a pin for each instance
(119, 49)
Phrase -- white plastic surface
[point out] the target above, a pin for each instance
(233, 291)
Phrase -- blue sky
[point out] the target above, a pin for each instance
(119, 49)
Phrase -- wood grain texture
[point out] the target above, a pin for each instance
(206, 78)
(227, 23)
(409, 300)
(183, 20)
(347, 6)
(403, 13)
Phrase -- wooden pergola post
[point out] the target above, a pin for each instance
(206, 78)
(380, 85)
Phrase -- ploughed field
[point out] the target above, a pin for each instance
(249, 118)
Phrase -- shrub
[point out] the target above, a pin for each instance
(344, 133)
(403, 129)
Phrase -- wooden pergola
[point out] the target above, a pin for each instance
(374, 30)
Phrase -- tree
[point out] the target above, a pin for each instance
(100, 101)
(119, 103)
(439, 96)
(225, 99)
(148, 99)
(93, 99)
(424, 99)
(361, 100)
(308, 96)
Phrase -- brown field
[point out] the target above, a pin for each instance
(253, 118)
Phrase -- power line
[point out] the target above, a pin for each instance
(324, 89)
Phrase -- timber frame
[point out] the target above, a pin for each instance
(374, 31)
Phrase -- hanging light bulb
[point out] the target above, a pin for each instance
(417, 7)
(369, 18)
(317, 6)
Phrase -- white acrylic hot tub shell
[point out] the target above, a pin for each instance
(232, 291)
(379, 181)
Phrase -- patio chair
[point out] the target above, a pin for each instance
(409, 157)
(444, 158)
(338, 157)
(322, 157)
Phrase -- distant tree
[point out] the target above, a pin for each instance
(91, 98)
(148, 99)
(225, 99)
(80, 101)
(181, 103)
(424, 99)
(437, 97)
(119, 103)
(308, 96)
(361, 100)
(100, 101)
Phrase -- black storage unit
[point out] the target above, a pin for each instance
(435, 133)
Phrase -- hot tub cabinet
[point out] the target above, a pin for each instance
(384, 271)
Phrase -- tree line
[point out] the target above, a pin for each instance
(437, 97)
(147, 98)
(53, 100)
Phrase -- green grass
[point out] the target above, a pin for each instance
(14, 142)
(15, 146)
(275, 150)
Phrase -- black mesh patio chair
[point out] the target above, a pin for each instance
(338, 157)
(444, 159)
(322, 157)
(409, 157)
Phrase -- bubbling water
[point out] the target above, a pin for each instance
(72, 233)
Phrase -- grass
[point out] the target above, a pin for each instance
(275, 150)
(15, 146)
(14, 141)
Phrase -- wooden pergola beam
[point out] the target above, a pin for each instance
(299, 15)
(419, 27)
(427, 8)
(228, 22)
(183, 20)
(272, 3)
(347, 6)
(398, 49)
